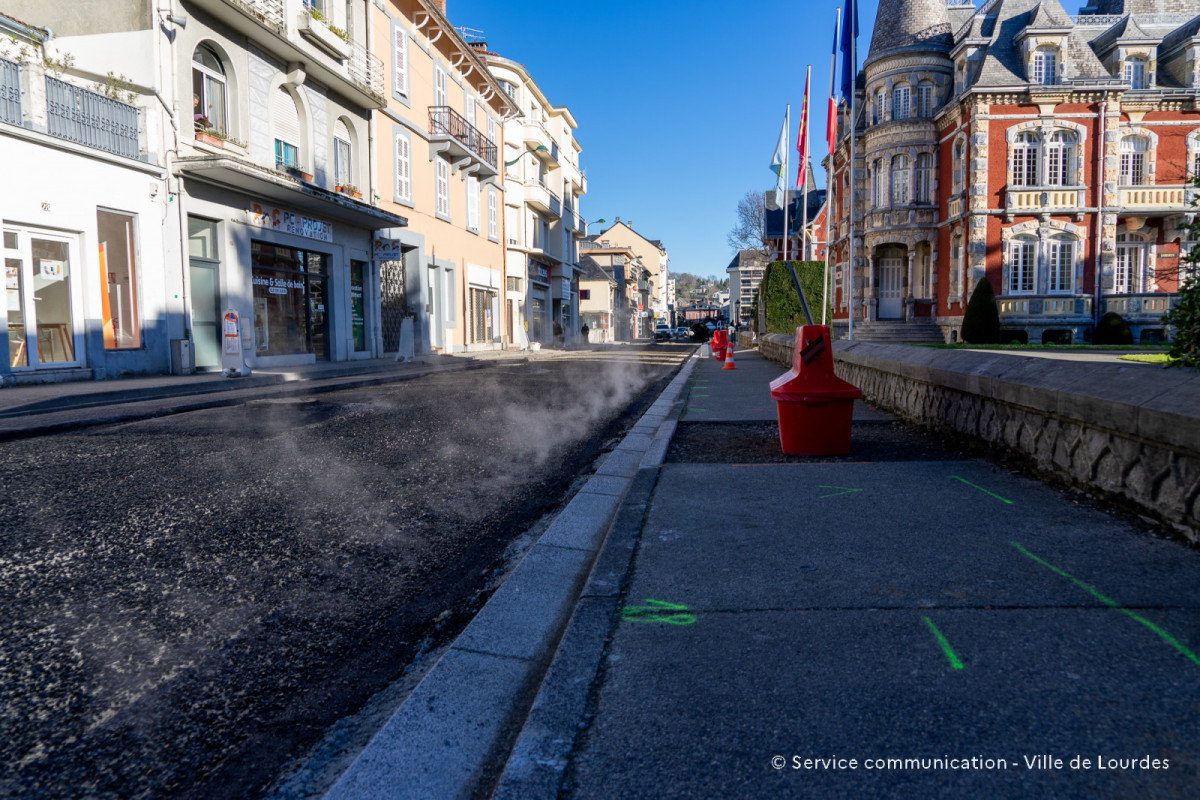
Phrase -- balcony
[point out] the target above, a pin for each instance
(466, 145)
(539, 196)
(1035, 200)
(91, 119)
(954, 207)
(1139, 308)
(345, 66)
(10, 93)
(538, 139)
(1152, 198)
(1045, 306)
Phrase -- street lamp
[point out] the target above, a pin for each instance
(593, 222)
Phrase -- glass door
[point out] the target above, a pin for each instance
(204, 274)
(40, 302)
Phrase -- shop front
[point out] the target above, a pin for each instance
(540, 328)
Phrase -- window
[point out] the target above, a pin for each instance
(469, 110)
(403, 167)
(1045, 66)
(441, 187)
(1022, 255)
(493, 214)
(1196, 164)
(877, 183)
(400, 62)
(1133, 160)
(1135, 73)
(1062, 265)
(878, 107)
(208, 91)
(473, 203)
(1025, 159)
(924, 185)
(900, 180)
(289, 300)
(491, 129)
(286, 121)
(1131, 260)
(924, 100)
(439, 86)
(117, 235)
(343, 167)
(1060, 159)
(960, 164)
(900, 100)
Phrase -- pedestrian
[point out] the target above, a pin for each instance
(584, 331)
(558, 333)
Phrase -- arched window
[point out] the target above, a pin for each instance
(1061, 264)
(1060, 159)
(343, 164)
(900, 102)
(285, 121)
(924, 182)
(924, 100)
(1025, 159)
(1133, 160)
(208, 91)
(1022, 260)
(900, 180)
(1134, 73)
(1044, 66)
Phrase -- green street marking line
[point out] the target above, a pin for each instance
(697, 410)
(836, 494)
(980, 488)
(955, 661)
(654, 612)
(1168, 638)
(699, 395)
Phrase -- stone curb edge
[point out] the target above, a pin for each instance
(460, 717)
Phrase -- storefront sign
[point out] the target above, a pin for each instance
(387, 249)
(277, 219)
(278, 285)
(566, 288)
(539, 272)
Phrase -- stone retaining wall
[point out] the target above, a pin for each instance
(1130, 431)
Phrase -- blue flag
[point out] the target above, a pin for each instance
(849, 50)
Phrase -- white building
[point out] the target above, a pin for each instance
(543, 187)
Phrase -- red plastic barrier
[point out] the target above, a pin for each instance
(815, 406)
(720, 343)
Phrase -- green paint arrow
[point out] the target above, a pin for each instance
(657, 611)
(835, 494)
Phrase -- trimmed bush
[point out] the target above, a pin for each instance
(981, 321)
(1112, 329)
(784, 313)
(1184, 317)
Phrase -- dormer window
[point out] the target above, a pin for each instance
(1044, 66)
(900, 102)
(1135, 73)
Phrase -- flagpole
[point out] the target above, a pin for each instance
(787, 124)
(851, 126)
(830, 218)
(804, 167)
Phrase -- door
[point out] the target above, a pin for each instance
(436, 323)
(204, 274)
(41, 301)
(891, 305)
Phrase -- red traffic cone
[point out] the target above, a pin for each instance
(729, 359)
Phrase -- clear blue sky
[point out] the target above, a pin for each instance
(679, 104)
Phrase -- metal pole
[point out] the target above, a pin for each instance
(850, 197)
(787, 137)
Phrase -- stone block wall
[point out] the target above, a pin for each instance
(1131, 433)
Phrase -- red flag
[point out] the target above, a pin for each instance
(802, 137)
(831, 115)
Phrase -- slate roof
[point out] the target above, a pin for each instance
(816, 199)
(593, 270)
(911, 25)
(1003, 63)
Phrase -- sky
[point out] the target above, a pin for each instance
(679, 104)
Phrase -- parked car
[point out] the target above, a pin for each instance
(683, 333)
(662, 333)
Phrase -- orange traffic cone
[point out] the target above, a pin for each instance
(729, 358)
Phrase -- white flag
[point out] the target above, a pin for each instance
(776, 200)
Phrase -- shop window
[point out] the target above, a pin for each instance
(290, 315)
(208, 91)
(358, 307)
(117, 236)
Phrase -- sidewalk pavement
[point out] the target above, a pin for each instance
(36, 409)
(697, 628)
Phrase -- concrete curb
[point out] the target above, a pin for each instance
(458, 720)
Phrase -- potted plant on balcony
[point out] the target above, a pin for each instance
(349, 189)
(296, 172)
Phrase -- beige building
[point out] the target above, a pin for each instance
(541, 205)
(634, 286)
(598, 299)
(653, 255)
(439, 144)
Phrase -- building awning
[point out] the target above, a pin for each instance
(231, 173)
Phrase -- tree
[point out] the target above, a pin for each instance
(981, 321)
(750, 233)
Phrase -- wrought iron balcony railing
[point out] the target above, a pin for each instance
(445, 121)
(10, 92)
(91, 119)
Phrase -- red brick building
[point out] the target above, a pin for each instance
(1047, 153)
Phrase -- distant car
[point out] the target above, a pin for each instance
(683, 332)
(662, 332)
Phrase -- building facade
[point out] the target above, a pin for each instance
(542, 205)
(654, 257)
(632, 290)
(1044, 152)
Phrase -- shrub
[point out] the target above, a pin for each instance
(1184, 317)
(1112, 329)
(784, 313)
(981, 321)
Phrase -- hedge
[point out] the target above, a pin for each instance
(784, 313)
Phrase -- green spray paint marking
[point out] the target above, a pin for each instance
(697, 410)
(835, 494)
(946, 648)
(1168, 638)
(699, 395)
(654, 612)
(980, 488)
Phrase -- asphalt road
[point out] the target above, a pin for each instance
(189, 602)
